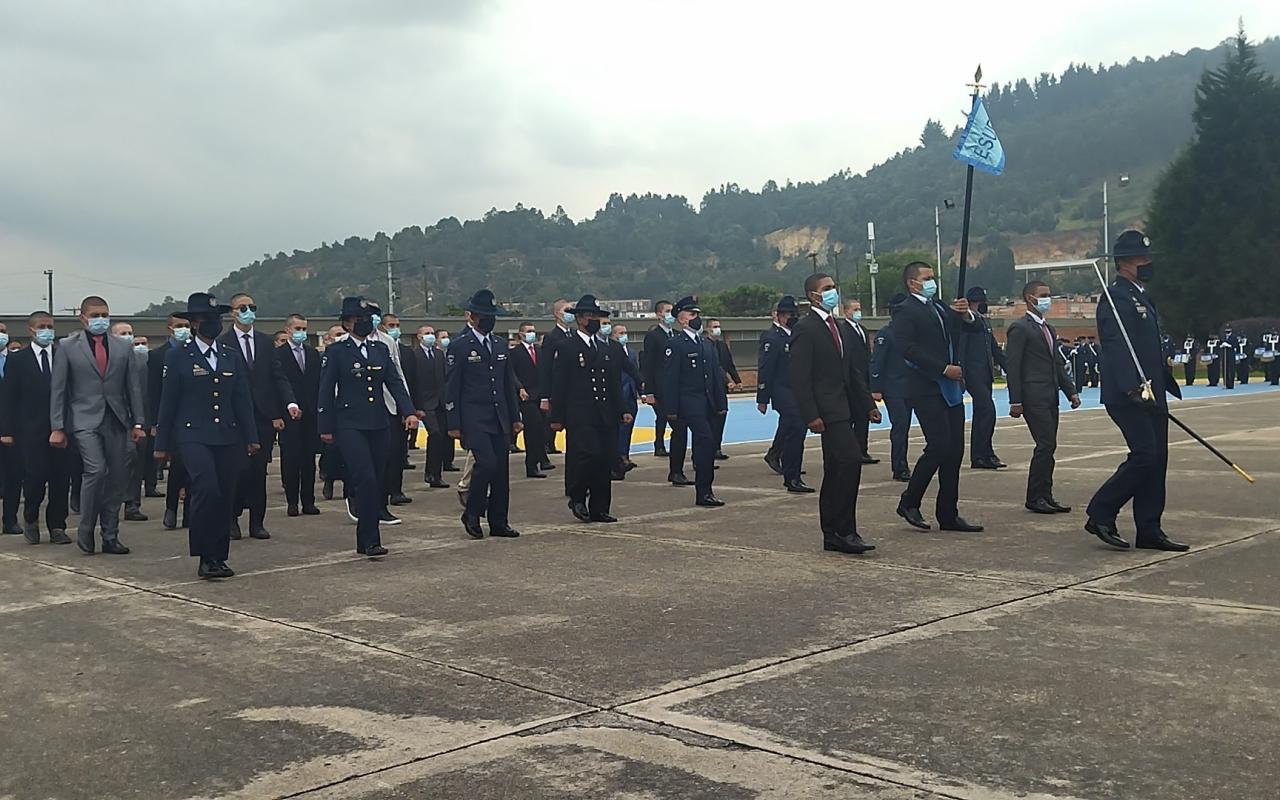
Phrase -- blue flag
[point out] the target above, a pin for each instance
(979, 146)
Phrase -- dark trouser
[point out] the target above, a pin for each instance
(1141, 476)
(213, 473)
(1213, 370)
(251, 486)
(717, 430)
(104, 453)
(624, 437)
(150, 470)
(1242, 370)
(862, 433)
(790, 436)
(177, 481)
(900, 429)
(10, 483)
(1273, 372)
(439, 445)
(589, 458)
(1189, 372)
(704, 450)
(984, 423)
(535, 446)
(44, 469)
(680, 444)
(137, 457)
(943, 428)
(298, 460)
(489, 493)
(659, 431)
(1229, 373)
(397, 452)
(364, 455)
(1094, 376)
(775, 447)
(1042, 421)
(841, 475)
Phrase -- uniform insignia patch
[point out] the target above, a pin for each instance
(668, 351)
(786, 348)
(198, 371)
(766, 348)
(582, 360)
(474, 356)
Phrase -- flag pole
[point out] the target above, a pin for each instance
(968, 199)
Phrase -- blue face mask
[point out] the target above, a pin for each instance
(139, 348)
(4, 340)
(566, 318)
(715, 331)
(830, 300)
(394, 333)
(929, 288)
(856, 316)
(99, 325)
(125, 337)
(445, 343)
(44, 337)
(1043, 305)
(530, 337)
(248, 317)
(668, 320)
(181, 334)
(298, 337)
(429, 340)
(606, 328)
(377, 320)
(622, 338)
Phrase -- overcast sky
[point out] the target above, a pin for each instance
(149, 148)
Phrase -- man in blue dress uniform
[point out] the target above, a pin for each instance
(206, 415)
(483, 410)
(353, 374)
(690, 393)
(888, 382)
(1139, 409)
(773, 388)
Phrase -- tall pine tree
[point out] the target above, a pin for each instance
(1214, 214)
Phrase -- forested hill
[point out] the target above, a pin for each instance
(1064, 134)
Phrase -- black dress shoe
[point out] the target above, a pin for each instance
(12, 529)
(660, 452)
(798, 486)
(154, 493)
(293, 511)
(31, 532)
(387, 518)
(913, 518)
(1161, 542)
(959, 525)
(310, 510)
(678, 479)
(472, 526)
(902, 477)
(553, 451)
(259, 532)
(870, 460)
(401, 500)
(134, 515)
(851, 543)
(451, 468)
(513, 449)
(505, 532)
(59, 537)
(1057, 507)
(235, 529)
(326, 491)
(114, 547)
(774, 462)
(629, 465)
(170, 519)
(709, 500)
(617, 475)
(579, 510)
(982, 464)
(546, 466)
(534, 473)
(210, 569)
(225, 570)
(722, 455)
(1106, 533)
(375, 551)
(997, 463)
(603, 518)
(436, 483)
(1041, 506)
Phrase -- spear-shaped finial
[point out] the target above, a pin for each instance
(977, 76)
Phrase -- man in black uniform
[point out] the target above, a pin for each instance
(831, 392)
(651, 360)
(1211, 360)
(690, 394)
(1190, 349)
(1138, 408)
(427, 391)
(1243, 358)
(299, 362)
(353, 374)
(481, 400)
(862, 363)
(586, 403)
(179, 335)
(207, 413)
(1227, 349)
(889, 383)
(728, 376)
(928, 334)
(1270, 358)
(979, 355)
(1091, 363)
(773, 387)
(526, 359)
(553, 337)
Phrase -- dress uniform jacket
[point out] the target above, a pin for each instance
(689, 384)
(586, 397)
(351, 387)
(773, 388)
(1119, 376)
(889, 380)
(201, 404)
(480, 386)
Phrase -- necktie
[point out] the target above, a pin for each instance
(488, 345)
(211, 357)
(533, 354)
(835, 334)
(1047, 338)
(100, 354)
(299, 354)
(44, 362)
(248, 350)
(364, 352)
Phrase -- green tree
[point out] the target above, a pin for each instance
(748, 300)
(1213, 214)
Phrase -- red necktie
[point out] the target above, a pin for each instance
(1047, 338)
(835, 334)
(100, 354)
(533, 354)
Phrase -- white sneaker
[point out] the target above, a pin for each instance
(350, 515)
(387, 518)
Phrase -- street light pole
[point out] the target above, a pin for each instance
(48, 273)
(872, 266)
(1106, 237)
(937, 239)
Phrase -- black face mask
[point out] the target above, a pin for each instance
(982, 308)
(1146, 272)
(485, 324)
(209, 327)
(694, 324)
(362, 327)
(593, 326)
(790, 322)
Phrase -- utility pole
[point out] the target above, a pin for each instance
(873, 267)
(834, 256)
(814, 258)
(1106, 239)
(391, 289)
(426, 295)
(48, 273)
(937, 238)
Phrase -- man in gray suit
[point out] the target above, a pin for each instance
(96, 396)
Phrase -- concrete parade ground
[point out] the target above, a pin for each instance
(681, 653)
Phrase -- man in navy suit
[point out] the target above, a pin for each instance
(483, 409)
(299, 363)
(690, 393)
(353, 374)
(773, 388)
(979, 357)
(206, 412)
(179, 335)
(632, 384)
(889, 383)
(1138, 408)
